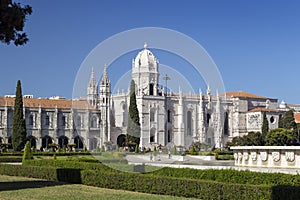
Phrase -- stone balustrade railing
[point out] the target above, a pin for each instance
(267, 156)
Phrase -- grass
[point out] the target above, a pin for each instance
(12, 187)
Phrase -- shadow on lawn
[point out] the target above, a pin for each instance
(16, 185)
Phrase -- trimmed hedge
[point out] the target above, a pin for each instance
(48, 173)
(155, 184)
(175, 186)
(10, 159)
(17, 153)
(223, 176)
(230, 176)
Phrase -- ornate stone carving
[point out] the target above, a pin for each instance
(246, 156)
(240, 156)
(235, 155)
(253, 155)
(290, 156)
(264, 155)
(276, 156)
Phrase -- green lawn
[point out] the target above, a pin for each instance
(12, 187)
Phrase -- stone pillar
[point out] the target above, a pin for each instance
(180, 134)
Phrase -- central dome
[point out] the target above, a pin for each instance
(145, 58)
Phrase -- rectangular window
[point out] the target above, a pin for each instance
(63, 121)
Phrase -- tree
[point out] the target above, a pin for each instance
(289, 121)
(12, 20)
(280, 121)
(265, 126)
(18, 126)
(133, 125)
(251, 139)
(279, 137)
(290, 124)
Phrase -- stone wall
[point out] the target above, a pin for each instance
(267, 156)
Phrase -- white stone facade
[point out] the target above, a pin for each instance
(165, 118)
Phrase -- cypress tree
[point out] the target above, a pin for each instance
(289, 120)
(19, 126)
(280, 121)
(133, 124)
(290, 124)
(265, 126)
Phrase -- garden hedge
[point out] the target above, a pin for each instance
(185, 187)
(10, 159)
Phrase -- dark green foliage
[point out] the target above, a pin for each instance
(48, 173)
(280, 121)
(136, 150)
(265, 126)
(251, 139)
(27, 152)
(12, 20)
(289, 120)
(202, 184)
(174, 186)
(10, 159)
(279, 137)
(19, 126)
(133, 125)
(290, 124)
(193, 151)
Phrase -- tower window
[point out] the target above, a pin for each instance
(151, 116)
(151, 88)
(169, 116)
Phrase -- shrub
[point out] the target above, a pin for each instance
(27, 152)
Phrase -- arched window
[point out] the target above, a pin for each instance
(32, 141)
(189, 123)
(226, 124)
(46, 141)
(78, 142)
(152, 135)
(63, 141)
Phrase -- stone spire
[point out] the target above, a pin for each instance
(92, 79)
(92, 90)
(105, 76)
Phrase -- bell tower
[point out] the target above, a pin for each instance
(105, 105)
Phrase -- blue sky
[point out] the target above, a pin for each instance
(255, 44)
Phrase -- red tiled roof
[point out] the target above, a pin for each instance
(47, 103)
(244, 94)
(262, 110)
(297, 117)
